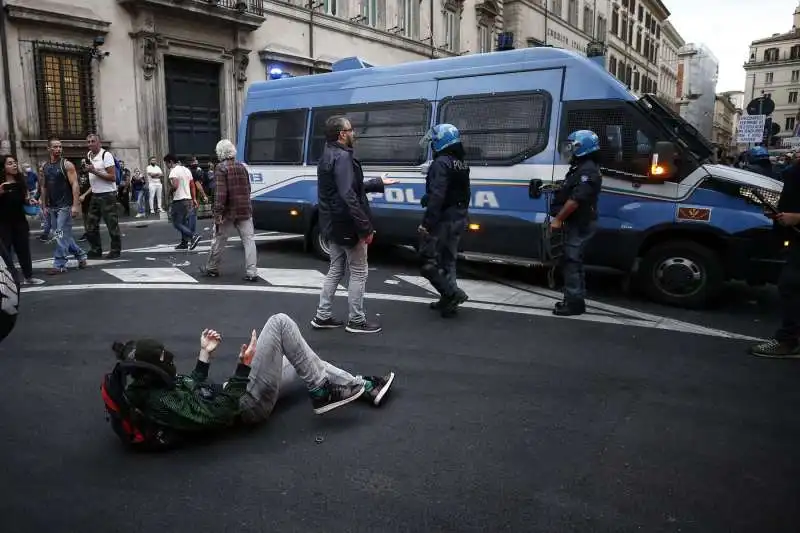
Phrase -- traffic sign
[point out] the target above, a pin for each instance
(761, 106)
(751, 128)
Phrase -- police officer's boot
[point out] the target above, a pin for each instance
(449, 307)
(460, 298)
(570, 308)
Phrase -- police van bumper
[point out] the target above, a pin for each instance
(756, 256)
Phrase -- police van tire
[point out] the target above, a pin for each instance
(682, 274)
(319, 244)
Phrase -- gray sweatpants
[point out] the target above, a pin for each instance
(282, 354)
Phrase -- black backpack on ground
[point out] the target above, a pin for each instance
(130, 424)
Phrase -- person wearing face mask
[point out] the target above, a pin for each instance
(574, 208)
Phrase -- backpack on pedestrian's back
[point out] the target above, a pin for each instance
(132, 426)
(117, 167)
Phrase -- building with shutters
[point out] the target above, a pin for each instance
(158, 76)
(722, 129)
(773, 70)
(671, 43)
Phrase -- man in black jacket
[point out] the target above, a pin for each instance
(345, 221)
(786, 341)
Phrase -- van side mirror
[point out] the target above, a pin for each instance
(663, 162)
(535, 189)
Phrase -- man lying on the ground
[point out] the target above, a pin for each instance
(269, 363)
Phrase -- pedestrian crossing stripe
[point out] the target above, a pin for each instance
(484, 294)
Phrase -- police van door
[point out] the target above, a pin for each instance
(508, 124)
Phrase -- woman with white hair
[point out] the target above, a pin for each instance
(232, 209)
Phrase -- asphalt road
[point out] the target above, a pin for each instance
(505, 419)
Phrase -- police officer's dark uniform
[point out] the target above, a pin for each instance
(786, 341)
(446, 203)
(575, 206)
(759, 162)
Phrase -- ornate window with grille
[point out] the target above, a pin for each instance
(64, 90)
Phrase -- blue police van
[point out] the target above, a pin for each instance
(679, 224)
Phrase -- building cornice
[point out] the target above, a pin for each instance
(56, 14)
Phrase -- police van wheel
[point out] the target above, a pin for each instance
(320, 244)
(682, 274)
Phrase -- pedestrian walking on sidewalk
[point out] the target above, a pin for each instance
(232, 209)
(345, 221)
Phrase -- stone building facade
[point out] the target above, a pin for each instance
(158, 76)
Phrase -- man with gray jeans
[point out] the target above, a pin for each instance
(344, 220)
(232, 209)
(267, 366)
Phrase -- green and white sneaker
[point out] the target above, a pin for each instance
(376, 388)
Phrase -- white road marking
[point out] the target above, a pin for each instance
(293, 277)
(494, 293)
(150, 275)
(662, 323)
(73, 263)
(170, 248)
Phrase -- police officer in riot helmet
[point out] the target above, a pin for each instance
(574, 208)
(446, 203)
(759, 162)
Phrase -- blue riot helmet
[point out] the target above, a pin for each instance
(580, 143)
(757, 153)
(441, 136)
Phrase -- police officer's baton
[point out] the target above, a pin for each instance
(769, 206)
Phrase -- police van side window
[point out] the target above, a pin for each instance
(626, 142)
(499, 129)
(387, 133)
(276, 137)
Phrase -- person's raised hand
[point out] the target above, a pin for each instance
(209, 340)
(248, 351)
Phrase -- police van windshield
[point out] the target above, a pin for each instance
(679, 130)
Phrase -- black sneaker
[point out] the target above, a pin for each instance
(182, 246)
(94, 255)
(377, 387)
(194, 242)
(569, 309)
(113, 255)
(329, 396)
(328, 323)
(777, 350)
(44, 238)
(362, 327)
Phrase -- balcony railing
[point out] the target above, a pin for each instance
(782, 58)
(254, 7)
(246, 13)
